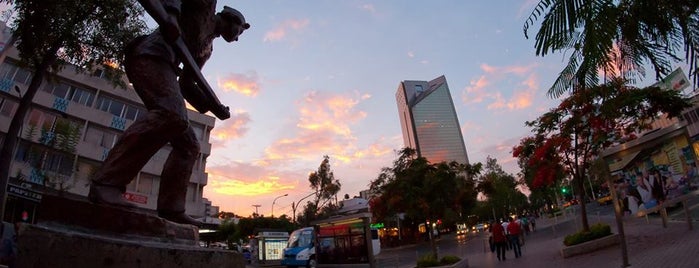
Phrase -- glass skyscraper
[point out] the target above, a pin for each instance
(429, 122)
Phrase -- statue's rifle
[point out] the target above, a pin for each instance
(218, 109)
(158, 13)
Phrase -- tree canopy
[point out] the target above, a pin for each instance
(323, 183)
(616, 38)
(569, 136)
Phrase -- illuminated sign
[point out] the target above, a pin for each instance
(377, 225)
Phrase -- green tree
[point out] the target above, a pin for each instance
(226, 215)
(500, 188)
(424, 192)
(326, 187)
(228, 231)
(617, 37)
(85, 33)
(612, 114)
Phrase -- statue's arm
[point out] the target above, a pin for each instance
(165, 13)
(193, 94)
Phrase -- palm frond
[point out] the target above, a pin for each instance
(565, 78)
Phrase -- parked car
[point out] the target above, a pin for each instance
(605, 199)
(480, 227)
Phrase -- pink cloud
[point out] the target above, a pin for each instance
(475, 92)
(482, 89)
(232, 128)
(246, 84)
(323, 128)
(280, 32)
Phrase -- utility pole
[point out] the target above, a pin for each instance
(256, 207)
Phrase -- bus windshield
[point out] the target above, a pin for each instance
(300, 238)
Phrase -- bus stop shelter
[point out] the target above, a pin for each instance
(345, 241)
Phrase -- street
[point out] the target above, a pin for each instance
(541, 247)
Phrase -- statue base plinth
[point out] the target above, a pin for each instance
(73, 232)
(41, 246)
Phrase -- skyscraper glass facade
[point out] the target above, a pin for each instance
(429, 122)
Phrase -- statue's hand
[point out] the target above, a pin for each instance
(222, 112)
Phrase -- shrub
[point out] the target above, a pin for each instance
(430, 261)
(427, 261)
(596, 231)
(449, 259)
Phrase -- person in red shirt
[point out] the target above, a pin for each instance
(500, 239)
(514, 230)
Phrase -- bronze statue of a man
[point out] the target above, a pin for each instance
(152, 66)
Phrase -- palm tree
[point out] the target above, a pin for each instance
(616, 37)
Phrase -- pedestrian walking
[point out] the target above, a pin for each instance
(499, 239)
(514, 231)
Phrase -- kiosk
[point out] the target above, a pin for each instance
(271, 245)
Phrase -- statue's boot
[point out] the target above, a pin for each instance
(108, 195)
(178, 217)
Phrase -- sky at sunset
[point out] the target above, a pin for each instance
(315, 78)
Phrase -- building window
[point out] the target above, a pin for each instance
(45, 159)
(418, 89)
(119, 108)
(101, 137)
(71, 93)
(145, 183)
(693, 116)
(7, 107)
(14, 73)
(41, 120)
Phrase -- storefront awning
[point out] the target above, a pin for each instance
(623, 163)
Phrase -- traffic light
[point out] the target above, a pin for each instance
(564, 190)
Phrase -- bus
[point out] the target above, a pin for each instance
(299, 250)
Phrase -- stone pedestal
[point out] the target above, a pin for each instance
(75, 233)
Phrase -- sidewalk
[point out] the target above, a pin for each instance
(648, 245)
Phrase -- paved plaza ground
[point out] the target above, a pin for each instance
(648, 245)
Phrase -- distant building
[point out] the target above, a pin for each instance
(429, 122)
(72, 124)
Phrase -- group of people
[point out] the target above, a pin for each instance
(506, 235)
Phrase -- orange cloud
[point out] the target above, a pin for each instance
(324, 128)
(232, 128)
(475, 92)
(281, 30)
(247, 85)
(480, 90)
(238, 179)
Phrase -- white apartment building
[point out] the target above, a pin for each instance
(73, 123)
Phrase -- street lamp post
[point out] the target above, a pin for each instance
(295, 205)
(275, 200)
